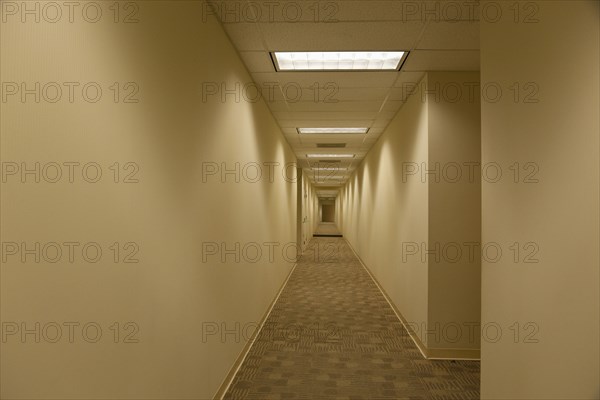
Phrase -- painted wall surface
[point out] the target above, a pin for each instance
(452, 173)
(380, 211)
(549, 292)
(309, 212)
(402, 216)
(338, 212)
(180, 283)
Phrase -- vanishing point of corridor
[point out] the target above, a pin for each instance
(332, 335)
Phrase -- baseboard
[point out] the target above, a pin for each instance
(428, 353)
(242, 356)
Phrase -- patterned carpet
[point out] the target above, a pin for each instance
(327, 229)
(332, 335)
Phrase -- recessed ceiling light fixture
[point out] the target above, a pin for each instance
(319, 155)
(329, 169)
(332, 130)
(338, 60)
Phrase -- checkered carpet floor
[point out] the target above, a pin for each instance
(332, 335)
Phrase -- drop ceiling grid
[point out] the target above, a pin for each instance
(357, 10)
(361, 98)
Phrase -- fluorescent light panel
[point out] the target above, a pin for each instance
(338, 60)
(329, 169)
(331, 130)
(330, 155)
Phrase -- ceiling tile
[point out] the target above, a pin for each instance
(368, 106)
(442, 60)
(341, 36)
(450, 35)
(245, 36)
(326, 94)
(346, 99)
(331, 82)
(325, 116)
(293, 123)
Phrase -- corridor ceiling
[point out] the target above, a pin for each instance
(440, 35)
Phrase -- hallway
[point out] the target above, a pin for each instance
(332, 335)
(327, 229)
(299, 199)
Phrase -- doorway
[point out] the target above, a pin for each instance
(328, 213)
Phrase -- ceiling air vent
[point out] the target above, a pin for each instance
(331, 145)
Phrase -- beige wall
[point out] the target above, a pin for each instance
(171, 293)
(454, 210)
(380, 211)
(309, 210)
(556, 356)
(393, 213)
(338, 211)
